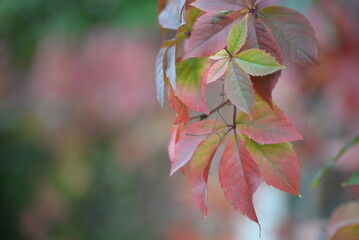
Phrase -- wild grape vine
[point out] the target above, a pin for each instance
(244, 47)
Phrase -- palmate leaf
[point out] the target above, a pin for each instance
(172, 16)
(177, 131)
(237, 36)
(219, 5)
(199, 169)
(189, 140)
(267, 126)
(259, 36)
(170, 57)
(160, 83)
(238, 87)
(209, 34)
(182, 111)
(257, 62)
(293, 33)
(191, 80)
(278, 164)
(239, 176)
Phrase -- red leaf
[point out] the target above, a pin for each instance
(278, 164)
(293, 33)
(199, 169)
(344, 223)
(182, 114)
(190, 139)
(209, 34)
(259, 36)
(218, 5)
(267, 126)
(176, 133)
(239, 176)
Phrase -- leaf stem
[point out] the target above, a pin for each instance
(203, 116)
(234, 117)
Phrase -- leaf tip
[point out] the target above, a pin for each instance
(300, 196)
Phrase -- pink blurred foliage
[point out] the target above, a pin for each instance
(108, 76)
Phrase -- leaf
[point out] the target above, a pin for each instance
(219, 5)
(328, 165)
(293, 33)
(267, 126)
(171, 65)
(238, 87)
(209, 34)
(259, 36)
(199, 169)
(344, 222)
(220, 55)
(190, 139)
(239, 176)
(160, 84)
(177, 130)
(217, 70)
(278, 164)
(182, 112)
(172, 15)
(257, 62)
(237, 36)
(191, 80)
(353, 180)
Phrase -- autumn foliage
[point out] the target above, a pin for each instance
(244, 47)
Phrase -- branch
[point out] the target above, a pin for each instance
(203, 116)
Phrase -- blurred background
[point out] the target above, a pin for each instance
(83, 143)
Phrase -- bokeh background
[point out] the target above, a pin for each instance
(83, 143)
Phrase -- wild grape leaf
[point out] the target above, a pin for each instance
(267, 126)
(160, 84)
(209, 34)
(239, 176)
(259, 36)
(182, 112)
(191, 138)
(237, 36)
(171, 65)
(344, 223)
(293, 33)
(217, 70)
(191, 80)
(278, 164)
(199, 169)
(172, 15)
(219, 5)
(238, 87)
(257, 62)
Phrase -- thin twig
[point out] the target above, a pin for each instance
(203, 116)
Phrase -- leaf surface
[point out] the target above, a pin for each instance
(160, 84)
(177, 130)
(217, 70)
(209, 34)
(344, 222)
(182, 112)
(190, 139)
(219, 5)
(239, 176)
(237, 36)
(199, 169)
(171, 65)
(257, 62)
(353, 180)
(267, 126)
(238, 87)
(172, 15)
(278, 164)
(293, 33)
(191, 80)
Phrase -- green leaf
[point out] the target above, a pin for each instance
(353, 180)
(330, 164)
(237, 36)
(257, 62)
(238, 87)
(191, 79)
